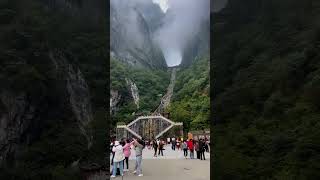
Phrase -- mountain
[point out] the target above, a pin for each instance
(191, 100)
(266, 91)
(131, 35)
(198, 46)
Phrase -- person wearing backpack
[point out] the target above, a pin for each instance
(118, 158)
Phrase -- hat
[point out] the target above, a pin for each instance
(116, 143)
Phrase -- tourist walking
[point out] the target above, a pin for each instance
(202, 149)
(118, 158)
(161, 144)
(151, 144)
(197, 149)
(127, 153)
(155, 147)
(184, 146)
(173, 143)
(191, 148)
(178, 144)
(207, 146)
(138, 147)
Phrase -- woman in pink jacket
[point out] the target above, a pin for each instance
(127, 153)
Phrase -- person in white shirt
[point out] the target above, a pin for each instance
(118, 158)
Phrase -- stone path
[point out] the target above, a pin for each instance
(171, 166)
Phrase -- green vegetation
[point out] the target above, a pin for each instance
(191, 101)
(266, 100)
(29, 32)
(151, 83)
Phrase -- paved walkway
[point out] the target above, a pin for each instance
(171, 166)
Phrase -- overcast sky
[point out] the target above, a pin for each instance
(163, 4)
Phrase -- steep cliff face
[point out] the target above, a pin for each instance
(131, 37)
(198, 46)
(52, 72)
(78, 93)
(134, 91)
(25, 116)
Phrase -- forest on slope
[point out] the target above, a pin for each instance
(191, 101)
(267, 89)
(53, 79)
(151, 85)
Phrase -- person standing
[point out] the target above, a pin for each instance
(178, 144)
(127, 153)
(191, 148)
(139, 145)
(202, 149)
(155, 147)
(174, 144)
(111, 146)
(151, 144)
(185, 149)
(158, 142)
(161, 144)
(118, 158)
(197, 149)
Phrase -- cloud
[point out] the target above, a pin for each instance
(182, 22)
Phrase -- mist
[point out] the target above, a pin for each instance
(182, 22)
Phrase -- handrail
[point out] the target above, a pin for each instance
(127, 127)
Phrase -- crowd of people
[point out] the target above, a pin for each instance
(121, 151)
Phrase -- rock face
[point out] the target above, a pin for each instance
(115, 98)
(131, 36)
(24, 117)
(134, 91)
(15, 118)
(78, 91)
(198, 46)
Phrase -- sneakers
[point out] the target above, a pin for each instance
(140, 175)
(134, 172)
(125, 170)
(112, 176)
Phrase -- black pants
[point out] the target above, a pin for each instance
(127, 162)
(112, 158)
(202, 155)
(161, 150)
(185, 152)
(198, 154)
(155, 151)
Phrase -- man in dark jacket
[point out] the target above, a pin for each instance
(155, 147)
(174, 144)
(202, 149)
